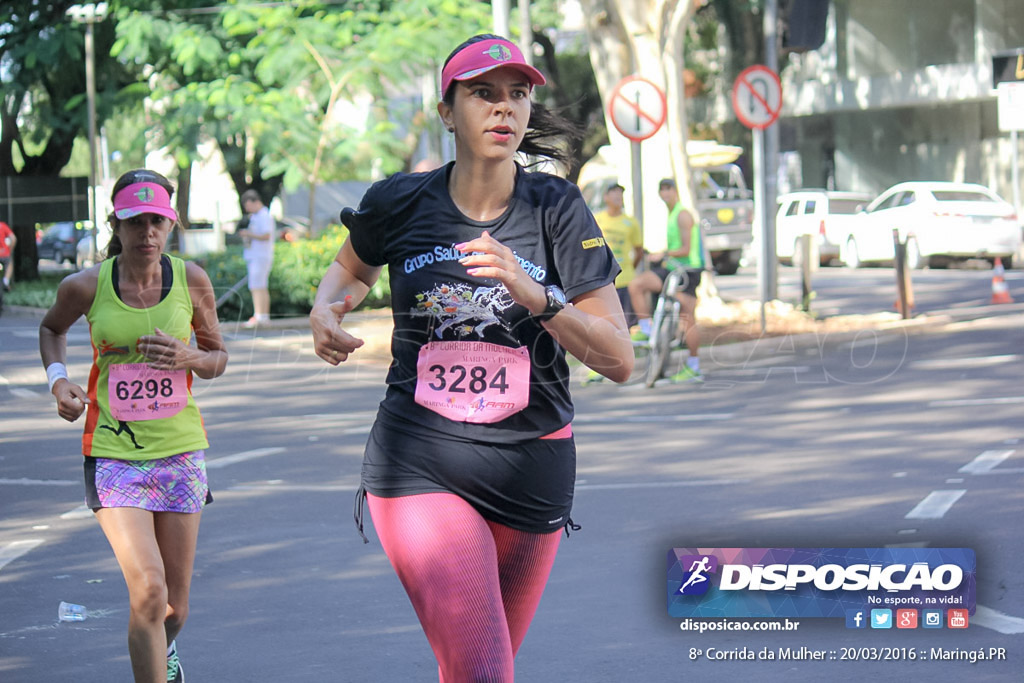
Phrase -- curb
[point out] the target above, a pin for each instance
(731, 354)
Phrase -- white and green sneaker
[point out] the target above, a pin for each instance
(686, 374)
(174, 671)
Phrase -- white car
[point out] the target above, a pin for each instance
(938, 221)
(823, 214)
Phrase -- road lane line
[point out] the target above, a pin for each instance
(659, 484)
(997, 621)
(606, 418)
(935, 504)
(12, 551)
(24, 393)
(331, 488)
(40, 482)
(80, 512)
(953, 403)
(960, 363)
(243, 456)
(985, 462)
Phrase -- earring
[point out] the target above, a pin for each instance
(451, 129)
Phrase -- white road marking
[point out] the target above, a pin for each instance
(243, 456)
(330, 488)
(24, 393)
(609, 418)
(80, 512)
(12, 551)
(959, 363)
(39, 482)
(309, 488)
(997, 621)
(762, 370)
(935, 504)
(659, 484)
(985, 462)
(953, 403)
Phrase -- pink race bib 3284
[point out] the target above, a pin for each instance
(473, 381)
(138, 392)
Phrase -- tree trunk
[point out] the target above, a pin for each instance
(181, 204)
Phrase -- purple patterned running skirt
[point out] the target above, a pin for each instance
(173, 484)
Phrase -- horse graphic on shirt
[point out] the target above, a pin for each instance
(463, 307)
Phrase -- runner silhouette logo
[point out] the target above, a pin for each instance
(696, 580)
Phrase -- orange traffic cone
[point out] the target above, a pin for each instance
(1000, 292)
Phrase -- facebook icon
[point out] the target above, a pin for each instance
(855, 618)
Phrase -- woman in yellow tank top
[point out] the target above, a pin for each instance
(142, 425)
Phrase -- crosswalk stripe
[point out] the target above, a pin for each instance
(935, 504)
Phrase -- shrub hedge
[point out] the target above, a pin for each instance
(298, 268)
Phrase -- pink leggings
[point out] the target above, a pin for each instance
(474, 584)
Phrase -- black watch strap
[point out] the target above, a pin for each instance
(556, 302)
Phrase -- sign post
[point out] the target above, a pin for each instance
(638, 110)
(1008, 79)
(757, 101)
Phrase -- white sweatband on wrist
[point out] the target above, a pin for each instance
(54, 372)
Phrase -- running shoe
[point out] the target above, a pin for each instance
(593, 377)
(686, 374)
(174, 671)
(638, 335)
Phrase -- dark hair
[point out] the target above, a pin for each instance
(549, 135)
(138, 175)
(614, 186)
(250, 195)
(666, 183)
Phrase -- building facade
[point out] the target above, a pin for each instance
(900, 90)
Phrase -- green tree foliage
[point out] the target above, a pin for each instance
(42, 77)
(266, 80)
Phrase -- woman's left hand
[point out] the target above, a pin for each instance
(487, 257)
(163, 351)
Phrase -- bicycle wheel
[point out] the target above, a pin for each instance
(661, 343)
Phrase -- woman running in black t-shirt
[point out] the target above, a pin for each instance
(495, 273)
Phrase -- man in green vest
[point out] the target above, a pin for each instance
(684, 250)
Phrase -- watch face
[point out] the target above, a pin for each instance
(556, 301)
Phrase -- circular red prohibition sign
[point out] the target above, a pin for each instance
(637, 108)
(757, 96)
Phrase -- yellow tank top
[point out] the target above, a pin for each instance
(136, 429)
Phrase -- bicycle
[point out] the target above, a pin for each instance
(664, 326)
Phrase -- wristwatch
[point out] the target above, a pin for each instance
(556, 302)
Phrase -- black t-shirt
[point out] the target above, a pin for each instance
(409, 223)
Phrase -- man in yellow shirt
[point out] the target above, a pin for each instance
(623, 236)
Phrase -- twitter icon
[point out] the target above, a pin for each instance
(881, 618)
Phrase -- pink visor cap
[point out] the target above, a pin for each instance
(139, 198)
(483, 56)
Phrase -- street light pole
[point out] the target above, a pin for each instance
(89, 15)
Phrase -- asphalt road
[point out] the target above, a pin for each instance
(790, 443)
